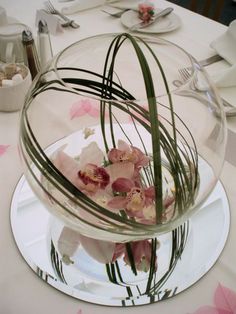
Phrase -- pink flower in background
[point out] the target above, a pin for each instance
(3, 149)
(83, 107)
(146, 11)
(224, 302)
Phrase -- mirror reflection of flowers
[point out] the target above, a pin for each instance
(146, 11)
(106, 252)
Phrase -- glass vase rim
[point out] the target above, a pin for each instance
(193, 65)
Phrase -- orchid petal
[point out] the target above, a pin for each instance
(114, 155)
(68, 241)
(123, 146)
(150, 192)
(122, 185)
(67, 166)
(101, 251)
(103, 198)
(3, 149)
(142, 159)
(117, 170)
(94, 109)
(91, 154)
(225, 299)
(117, 202)
(120, 249)
(76, 110)
(86, 105)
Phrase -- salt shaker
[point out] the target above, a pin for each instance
(31, 58)
(44, 43)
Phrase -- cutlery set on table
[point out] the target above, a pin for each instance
(161, 21)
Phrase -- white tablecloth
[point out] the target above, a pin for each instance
(21, 291)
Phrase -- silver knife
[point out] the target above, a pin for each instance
(155, 18)
(210, 60)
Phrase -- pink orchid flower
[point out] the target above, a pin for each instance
(139, 202)
(136, 199)
(84, 174)
(142, 253)
(146, 11)
(93, 178)
(126, 153)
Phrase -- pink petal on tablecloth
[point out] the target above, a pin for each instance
(85, 106)
(225, 300)
(3, 149)
(76, 110)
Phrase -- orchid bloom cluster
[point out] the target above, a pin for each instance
(116, 186)
(115, 182)
(146, 11)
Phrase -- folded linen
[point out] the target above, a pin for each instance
(225, 46)
(225, 78)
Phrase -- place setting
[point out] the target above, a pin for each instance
(144, 17)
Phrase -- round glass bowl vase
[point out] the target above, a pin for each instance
(116, 152)
(106, 109)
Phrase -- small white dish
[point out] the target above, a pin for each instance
(164, 24)
(12, 97)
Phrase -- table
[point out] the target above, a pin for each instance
(21, 291)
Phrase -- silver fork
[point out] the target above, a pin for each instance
(116, 14)
(230, 111)
(51, 9)
(185, 74)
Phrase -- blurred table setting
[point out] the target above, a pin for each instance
(47, 33)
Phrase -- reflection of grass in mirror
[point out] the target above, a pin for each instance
(154, 284)
(57, 263)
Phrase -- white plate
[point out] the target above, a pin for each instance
(163, 25)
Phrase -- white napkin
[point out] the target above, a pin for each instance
(226, 77)
(81, 5)
(225, 46)
(53, 22)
